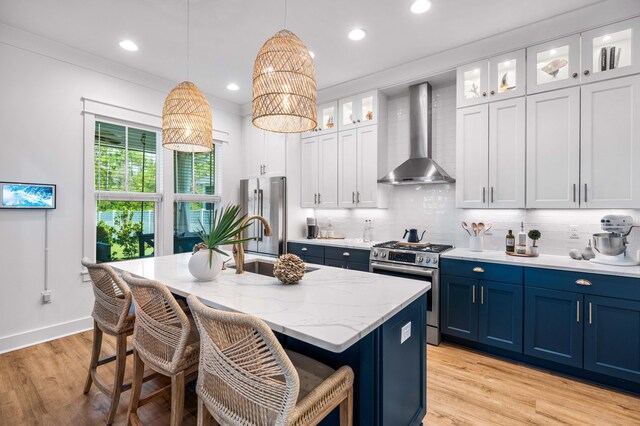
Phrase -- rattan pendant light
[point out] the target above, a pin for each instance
(186, 115)
(284, 85)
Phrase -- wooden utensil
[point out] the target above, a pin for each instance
(480, 228)
(474, 226)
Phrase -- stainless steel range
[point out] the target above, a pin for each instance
(420, 261)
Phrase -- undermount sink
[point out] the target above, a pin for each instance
(262, 267)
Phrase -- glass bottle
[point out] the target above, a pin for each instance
(511, 242)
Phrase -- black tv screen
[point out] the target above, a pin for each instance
(18, 195)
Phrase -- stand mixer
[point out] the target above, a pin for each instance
(611, 246)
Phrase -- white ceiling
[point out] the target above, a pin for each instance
(226, 35)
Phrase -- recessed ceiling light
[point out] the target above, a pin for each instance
(313, 55)
(233, 87)
(129, 45)
(357, 34)
(420, 6)
(606, 38)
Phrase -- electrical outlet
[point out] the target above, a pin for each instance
(573, 232)
(46, 296)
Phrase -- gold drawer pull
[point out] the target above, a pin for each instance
(583, 282)
(478, 269)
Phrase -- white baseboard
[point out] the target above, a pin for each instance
(41, 335)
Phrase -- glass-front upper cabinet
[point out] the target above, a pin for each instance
(507, 76)
(472, 84)
(359, 110)
(553, 65)
(611, 51)
(328, 117)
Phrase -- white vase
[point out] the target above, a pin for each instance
(534, 249)
(200, 268)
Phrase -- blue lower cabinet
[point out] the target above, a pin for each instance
(459, 316)
(500, 316)
(612, 337)
(313, 259)
(553, 325)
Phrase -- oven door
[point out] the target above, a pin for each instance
(415, 273)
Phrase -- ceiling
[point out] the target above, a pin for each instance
(226, 35)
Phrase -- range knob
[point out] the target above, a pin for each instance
(427, 260)
(375, 253)
(384, 254)
(420, 259)
(434, 261)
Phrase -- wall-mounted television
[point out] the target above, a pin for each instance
(20, 195)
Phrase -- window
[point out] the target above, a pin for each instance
(194, 188)
(126, 191)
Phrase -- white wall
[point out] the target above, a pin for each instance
(432, 207)
(42, 141)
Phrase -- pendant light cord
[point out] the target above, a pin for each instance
(285, 14)
(188, 41)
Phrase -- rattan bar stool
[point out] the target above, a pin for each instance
(112, 315)
(166, 340)
(247, 378)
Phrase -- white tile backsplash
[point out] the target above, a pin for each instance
(432, 207)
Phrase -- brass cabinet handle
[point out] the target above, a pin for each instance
(582, 281)
(304, 249)
(577, 310)
(478, 269)
(473, 295)
(346, 253)
(590, 313)
(482, 295)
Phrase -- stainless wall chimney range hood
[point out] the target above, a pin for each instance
(420, 168)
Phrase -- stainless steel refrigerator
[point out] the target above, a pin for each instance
(266, 197)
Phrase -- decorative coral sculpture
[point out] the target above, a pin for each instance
(289, 268)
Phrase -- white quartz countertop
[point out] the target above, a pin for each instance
(331, 308)
(564, 263)
(347, 242)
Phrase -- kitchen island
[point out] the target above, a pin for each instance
(374, 323)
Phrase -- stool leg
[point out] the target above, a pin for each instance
(346, 410)
(95, 356)
(204, 416)
(136, 386)
(177, 398)
(121, 362)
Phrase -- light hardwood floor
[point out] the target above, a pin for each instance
(42, 385)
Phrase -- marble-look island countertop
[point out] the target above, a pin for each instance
(549, 261)
(334, 242)
(331, 308)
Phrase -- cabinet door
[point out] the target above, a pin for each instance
(328, 173)
(553, 149)
(500, 316)
(254, 149)
(611, 51)
(507, 76)
(367, 109)
(553, 65)
(328, 117)
(553, 325)
(459, 308)
(367, 166)
(610, 147)
(472, 157)
(275, 154)
(309, 172)
(472, 84)
(612, 337)
(348, 113)
(347, 172)
(507, 160)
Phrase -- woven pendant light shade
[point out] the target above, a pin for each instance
(284, 86)
(186, 120)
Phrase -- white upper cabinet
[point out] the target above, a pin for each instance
(610, 149)
(359, 110)
(327, 119)
(472, 156)
(347, 160)
(264, 152)
(275, 154)
(553, 149)
(328, 171)
(507, 76)
(309, 168)
(507, 153)
(472, 84)
(367, 167)
(611, 51)
(553, 65)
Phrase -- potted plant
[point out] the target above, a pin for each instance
(534, 234)
(206, 263)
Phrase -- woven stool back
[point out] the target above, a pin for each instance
(113, 298)
(162, 328)
(245, 377)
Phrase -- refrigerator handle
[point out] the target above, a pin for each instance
(261, 213)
